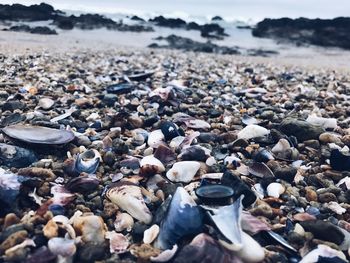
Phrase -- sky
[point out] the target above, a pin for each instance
(229, 9)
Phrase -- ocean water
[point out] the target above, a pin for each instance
(249, 11)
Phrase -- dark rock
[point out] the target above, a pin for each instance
(339, 161)
(169, 130)
(217, 18)
(302, 130)
(42, 30)
(324, 230)
(321, 32)
(168, 22)
(90, 252)
(177, 42)
(41, 255)
(212, 31)
(208, 137)
(136, 18)
(13, 105)
(109, 99)
(12, 119)
(64, 23)
(17, 12)
(14, 156)
(286, 173)
(120, 88)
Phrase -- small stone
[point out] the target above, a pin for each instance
(312, 143)
(13, 105)
(13, 240)
(329, 137)
(327, 197)
(310, 194)
(301, 129)
(83, 141)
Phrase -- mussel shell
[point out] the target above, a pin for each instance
(183, 218)
(87, 166)
(339, 161)
(82, 184)
(139, 76)
(263, 155)
(38, 134)
(120, 88)
(169, 130)
(193, 153)
(215, 194)
(14, 156)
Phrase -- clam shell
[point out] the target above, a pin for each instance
(151, 165)
(260, 170)
(183, 171)
(38, 134)
(128, 196)
(275, 190)
(155, 138)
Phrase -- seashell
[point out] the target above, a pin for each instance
(90, 227)
(194, 153)
(176, 142)
(62, 246)
(45, 103)
(120, 88)
(215, 194)
(253, 225)
(61, 196)
(144, 251)
(197, 124)
(169, 130)
(118, 243)
(87, 162)
(150, 166)
(164, 154)
(260, 170)
(14, 156)
(150, 234)
(64, 115)
(252, 131)
(163, 93)
(344, 183)
(251, 251)
(183, 217)
(323, 122)
(128, 197)
(82, 184)
(123, 221)
(8, 255)
(50, 230)
(140, 76)
(279, 239)
(328, 255)
(275, 190)
(227, 220)
(183, 171)
(282, 146)
(214, 176)
(166, 255)
(155, 138)
(130, 163)
(204, 248)
(248, 120)
(189, 139)
(263, 155)
(155, 181)
(38, 134)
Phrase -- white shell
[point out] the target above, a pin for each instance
(197, 124)
(150, 160)
(275, 190)
(323, 122)
(183, 171)
(252, 131)
(251, 251)
(166, 255)
(155, 138)
(324, 251)
(335, 207)
(150, 234)
(91, 227)
(123, 221)
(61, 246)
(281, 146)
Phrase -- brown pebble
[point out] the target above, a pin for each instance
(43, 173)
(310, 194)
(44, 190)
(346, 139)
(10, 219)
(50, 230)
(13, 240)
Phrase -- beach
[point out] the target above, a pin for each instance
(113, 151)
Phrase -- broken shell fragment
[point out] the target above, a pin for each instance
(62, 246)
(118, 243)
(150, 234)
(38, 134)
(90, 227)
(252, 131)
(183, 171)
(151, 165)
(166, 255)
(82, 184)
(128, 196)
(87, 162)
(155, 138)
